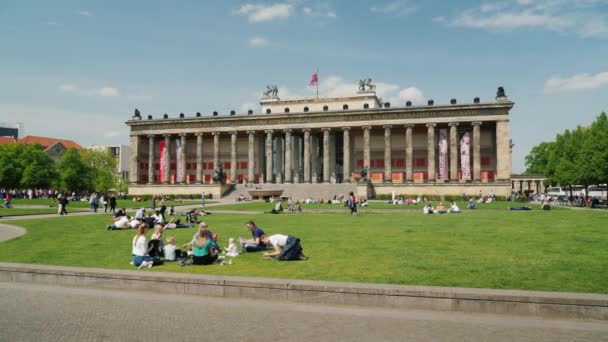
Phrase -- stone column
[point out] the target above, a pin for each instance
(151, 167)
(288, 165)
(182, 155)
(216, 151)
(250, 156)
(134, 159)
(314, 158)
(453, 151)
(326, 155)
(269, 156)
(167, 178)
(503, 155)
(296, 160)
(306, 155)
(278, 157)
(476, 151)
(431, 151)
(366, 152)
(388, 167)
(199, 158)
(346, 154)
(409, 153)
(233, 156)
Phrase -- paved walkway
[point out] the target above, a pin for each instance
(8, 232)
(31, 312)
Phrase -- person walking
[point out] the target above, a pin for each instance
(352, 203)
(63, 203)
(112, 203)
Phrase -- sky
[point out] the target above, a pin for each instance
(78, 69)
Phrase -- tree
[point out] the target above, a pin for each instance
(25, 166)
(594, 152)
(538, 158)
(103, 169)
(73, 172)
(38, 168)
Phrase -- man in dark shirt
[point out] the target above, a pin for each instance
(255, 244)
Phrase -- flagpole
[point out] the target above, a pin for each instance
(317, 83)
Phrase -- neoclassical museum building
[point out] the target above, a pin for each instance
(313, 146)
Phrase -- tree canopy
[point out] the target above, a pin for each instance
(576, 157)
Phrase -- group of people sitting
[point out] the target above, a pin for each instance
(441, 209)
(123, 221)
(204, 249)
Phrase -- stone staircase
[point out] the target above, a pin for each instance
(297, 191)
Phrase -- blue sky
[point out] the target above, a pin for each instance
(77, 69)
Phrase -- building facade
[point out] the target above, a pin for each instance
(307, 143)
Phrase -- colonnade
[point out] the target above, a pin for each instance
(285, 156)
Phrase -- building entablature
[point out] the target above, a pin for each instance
(465, 113)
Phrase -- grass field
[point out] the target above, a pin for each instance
(4, 212)
(562, 250)
(264, 206)
(84, 204)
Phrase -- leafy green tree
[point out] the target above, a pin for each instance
(538, 158)
(593, 156)
(75, 175)
(10, 174)
(103, 169)
(38, 168)
(25, 166)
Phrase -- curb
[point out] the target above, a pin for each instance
(511, 302)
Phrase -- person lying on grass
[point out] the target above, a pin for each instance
(286, 247)
(121, 222)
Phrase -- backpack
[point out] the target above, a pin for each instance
(292, 250)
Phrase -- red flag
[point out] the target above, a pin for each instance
(315, 78)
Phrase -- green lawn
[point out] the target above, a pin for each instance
(562, 250)
(264, 206)
(27, 211)
(84, 204)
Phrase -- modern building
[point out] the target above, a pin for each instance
(305, 145)
(11, 130)
(120, 153)
(55, 148)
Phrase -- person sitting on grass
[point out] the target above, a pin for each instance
(139, 250)
(158, 218)
(278, 208)
(140, 213)
(440, 208)
(427, 209)
(121, 222)
(255, 244)
(286, 247)
(202, 247)
(471, 204)
(120, 212)
(454, 208)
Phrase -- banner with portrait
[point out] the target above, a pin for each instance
(465, 156)
(443, 153)
(178, 158)
(162, 161)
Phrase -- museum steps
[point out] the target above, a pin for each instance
(300, 192)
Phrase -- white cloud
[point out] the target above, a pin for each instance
(411, 94)
(583, 17)
(259, 13)
(439, 19)
(576, 82)
(247, 106)
(85, 13)
(401, 7)
(68, 88)
(108, 92)
(320, 10)
(258, 41)
(103, 91)
(111, 134)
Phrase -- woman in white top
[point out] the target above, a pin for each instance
(140, 249)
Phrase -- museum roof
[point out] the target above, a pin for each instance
(48, 142)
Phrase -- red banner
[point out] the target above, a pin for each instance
(162, 160)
